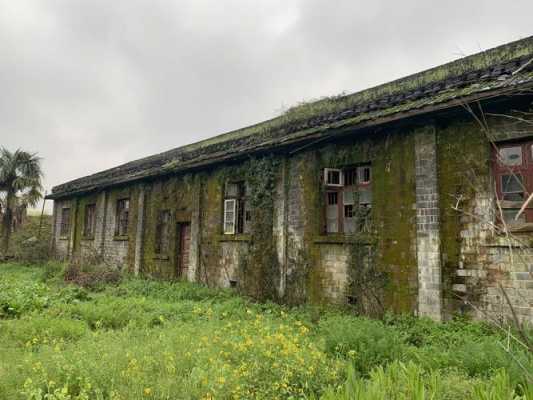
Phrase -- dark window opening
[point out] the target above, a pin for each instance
(122, 217)
(351, 300)
(162, 232)
(89, 220)
(64, 228)
(232, 284)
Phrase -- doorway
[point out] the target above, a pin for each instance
(183, 247)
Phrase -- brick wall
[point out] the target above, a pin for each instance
(427, 225)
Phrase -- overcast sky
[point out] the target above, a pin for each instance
(93, 84)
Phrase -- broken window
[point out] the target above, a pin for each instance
(162, 232)
(64, 228)
(237, 215)
(348, 199)
(513, 174)
(89, 220)
(122, 217)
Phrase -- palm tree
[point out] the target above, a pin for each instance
(20, 185)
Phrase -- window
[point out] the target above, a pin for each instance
(237, 216)
(162, 232)
(348, 199)
(64, 229)
(333, 177)
(89, 220)
(513, 173)
(121, 217)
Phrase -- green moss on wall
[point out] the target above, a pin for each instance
(394, 219)
(464, 169)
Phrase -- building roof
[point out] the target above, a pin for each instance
(490, 73)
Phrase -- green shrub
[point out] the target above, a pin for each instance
(92, 277)
(367, 343)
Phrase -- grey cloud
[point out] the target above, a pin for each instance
(92, 84)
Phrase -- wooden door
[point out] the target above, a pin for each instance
(184, 246)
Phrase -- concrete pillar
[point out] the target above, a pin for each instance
(194, 255)
(428, 225)
(139, 235)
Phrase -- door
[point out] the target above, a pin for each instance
(183, 246)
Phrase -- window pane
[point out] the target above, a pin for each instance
(511, 156)
(350, 177)
(332, 198)
(365, 197)
(512, 187)
(232, 190)
(364, 174)
(334, 177)
(332, 217)
(510, 214)
(348, 197)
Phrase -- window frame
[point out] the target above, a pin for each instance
(349, 176)
(241, 213)
(64, 227)
(120, 220)
(89, 233)
(226, 221)
(162, 232)
(525, 170)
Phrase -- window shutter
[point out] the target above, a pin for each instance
(230, 214)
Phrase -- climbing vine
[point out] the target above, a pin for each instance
(262, 275)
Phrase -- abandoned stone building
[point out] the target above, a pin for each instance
(405, 197)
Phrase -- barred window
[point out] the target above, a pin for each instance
(89, 220)
(64, 229)
(348, 199)
(162, 232)
(122, 217)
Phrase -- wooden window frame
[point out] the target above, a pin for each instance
(122, 216)
(89, 221)
(64, 227)
(236, 204)
(525, 170)
(350, 183)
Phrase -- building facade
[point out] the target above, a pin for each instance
(409, 197)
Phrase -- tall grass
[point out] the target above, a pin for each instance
(143, 339)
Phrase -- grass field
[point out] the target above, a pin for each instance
(154, 340)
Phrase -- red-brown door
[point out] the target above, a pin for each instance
(184, 246)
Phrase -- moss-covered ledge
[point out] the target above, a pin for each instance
(121, 238)
(234, 238)
(344, 239)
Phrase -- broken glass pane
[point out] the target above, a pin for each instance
(512, 187)
(510, 214)
(511, 156)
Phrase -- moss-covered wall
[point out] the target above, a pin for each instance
(464, 171)
(175, 194)
(389, 247)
